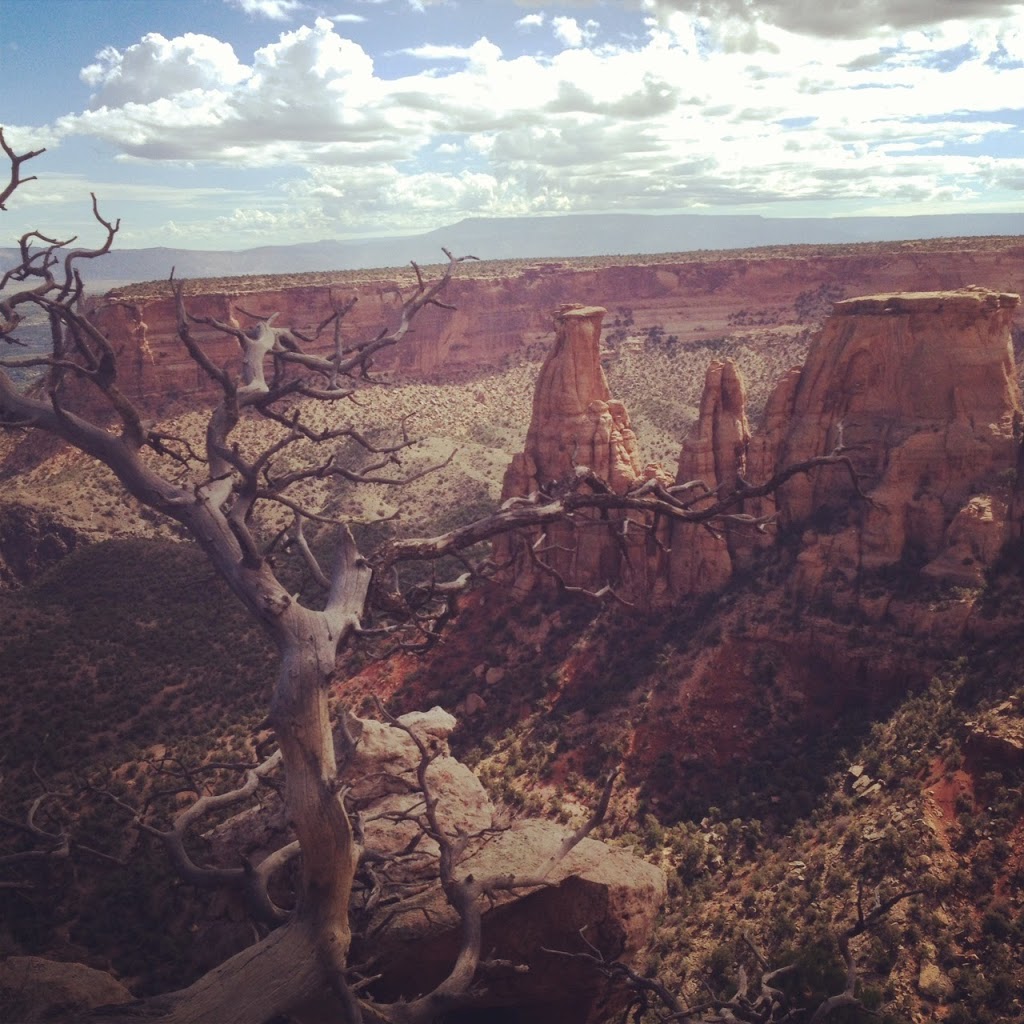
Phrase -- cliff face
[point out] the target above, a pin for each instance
(502, 309)
(918, 390)
(155, 365)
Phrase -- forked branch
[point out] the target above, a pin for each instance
(15, 160)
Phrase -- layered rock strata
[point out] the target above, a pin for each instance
(917, 390)
(575, 425)
(920, 391)
(501, 308)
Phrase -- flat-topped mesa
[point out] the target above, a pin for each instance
(575, 423)
(919, 389)
(155, 366)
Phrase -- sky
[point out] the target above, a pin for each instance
(227, 124)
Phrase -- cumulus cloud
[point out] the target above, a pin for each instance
(312, 95)
(668, 120)
(570, 32)
(156, 67)
(275, 10)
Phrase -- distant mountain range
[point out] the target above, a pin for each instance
(538, 237)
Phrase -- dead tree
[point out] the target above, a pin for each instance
(221, 494)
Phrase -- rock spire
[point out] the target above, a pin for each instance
(919, 389)
(575, 423)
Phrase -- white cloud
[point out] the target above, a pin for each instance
(275, 10)
(156, 67)
(837, 19)
(571, 32)
(22, 138)
(531, 21)
(680, 118)
(483, 52)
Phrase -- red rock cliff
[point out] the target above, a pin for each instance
(919, 390)
(502, 308)
(716, 453)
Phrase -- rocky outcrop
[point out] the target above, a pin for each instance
(30, 541)
(606, 891)
(716, 453)
(996, 738)
(575, 420)
(413, 934)
(919, 391)
(33, 989)
(575, 423)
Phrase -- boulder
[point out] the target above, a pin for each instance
(412, 933)
(604, 893)
(933, 984)
(33, 989)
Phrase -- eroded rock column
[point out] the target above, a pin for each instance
(576, 423)
(701, 561)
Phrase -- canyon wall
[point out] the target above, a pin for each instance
(502, 308)
(919, 393)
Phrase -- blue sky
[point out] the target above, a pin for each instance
(234, 123)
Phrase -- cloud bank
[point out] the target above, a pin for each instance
(713, 102)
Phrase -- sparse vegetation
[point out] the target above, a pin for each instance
(736, 718)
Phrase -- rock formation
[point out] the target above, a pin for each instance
(33, 989)
(919, 390)
(611, 893)
(575, 423)
(716, 453)
(30, 541)
(502, 308)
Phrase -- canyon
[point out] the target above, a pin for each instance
(763, 297)
(866, 616)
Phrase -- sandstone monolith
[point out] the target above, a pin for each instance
(920, 390)
(575, 423)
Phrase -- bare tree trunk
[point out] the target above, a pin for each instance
(303, 960)
(270, 978)
(300, 716)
